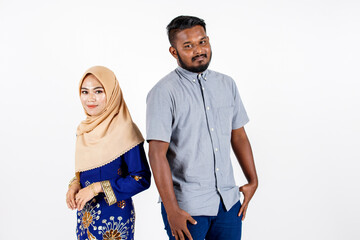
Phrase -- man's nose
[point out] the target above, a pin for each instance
(198, 50)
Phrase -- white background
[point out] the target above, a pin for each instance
(296, 64)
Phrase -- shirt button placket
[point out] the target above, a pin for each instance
(216, 150)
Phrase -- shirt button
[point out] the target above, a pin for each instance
(212, 129)
(217, 169)
(216, 149)
(194, 80)
(208, 108)
(205, 78)
(203, 88)
(218, 189)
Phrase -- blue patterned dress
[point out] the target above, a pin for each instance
(111, 215)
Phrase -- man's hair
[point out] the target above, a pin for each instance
(180, 23)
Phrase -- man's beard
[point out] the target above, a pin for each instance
(198, 69)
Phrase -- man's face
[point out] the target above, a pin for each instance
(192, 49)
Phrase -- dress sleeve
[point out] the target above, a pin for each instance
(137, 178)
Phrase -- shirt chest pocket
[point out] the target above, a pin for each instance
(225, 116)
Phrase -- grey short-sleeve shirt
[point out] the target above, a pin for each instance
(195, 114)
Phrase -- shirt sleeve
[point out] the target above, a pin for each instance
(240, 117)
(159, 115)
(137, 178)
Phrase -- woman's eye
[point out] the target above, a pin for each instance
(84, 92)
(98, 91)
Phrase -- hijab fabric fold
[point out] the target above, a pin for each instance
(103, 138)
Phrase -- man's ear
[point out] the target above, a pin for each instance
(173, 52)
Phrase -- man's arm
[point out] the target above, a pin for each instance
(161, 170)
(242, 149)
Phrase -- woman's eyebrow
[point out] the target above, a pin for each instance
(92, 88)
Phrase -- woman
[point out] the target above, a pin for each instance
(110, 162)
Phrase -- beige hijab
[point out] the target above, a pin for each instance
(103, 138)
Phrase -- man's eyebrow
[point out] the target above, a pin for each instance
(188, 42)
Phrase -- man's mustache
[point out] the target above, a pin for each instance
(197, 56)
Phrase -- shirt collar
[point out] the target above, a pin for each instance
(191, 76)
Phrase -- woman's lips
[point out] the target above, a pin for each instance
(91, 106)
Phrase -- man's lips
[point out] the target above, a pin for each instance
(199, 57)
(91, 106)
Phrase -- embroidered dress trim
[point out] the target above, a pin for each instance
(109, 193)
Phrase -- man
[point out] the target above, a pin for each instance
(193, 114)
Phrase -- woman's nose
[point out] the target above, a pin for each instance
(92, 97)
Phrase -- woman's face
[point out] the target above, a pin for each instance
(93, 97)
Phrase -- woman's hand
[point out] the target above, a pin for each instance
(74, 188)
(86, 194)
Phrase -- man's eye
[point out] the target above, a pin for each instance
(187, 46)
(203, 42)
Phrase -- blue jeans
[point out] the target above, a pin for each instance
(225, 226)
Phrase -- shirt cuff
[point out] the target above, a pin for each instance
(109, 193)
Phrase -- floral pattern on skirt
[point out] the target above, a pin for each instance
(92, 224)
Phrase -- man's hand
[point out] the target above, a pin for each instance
(242, 149)
(161, 170)
(248, 190)
(178, 223)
